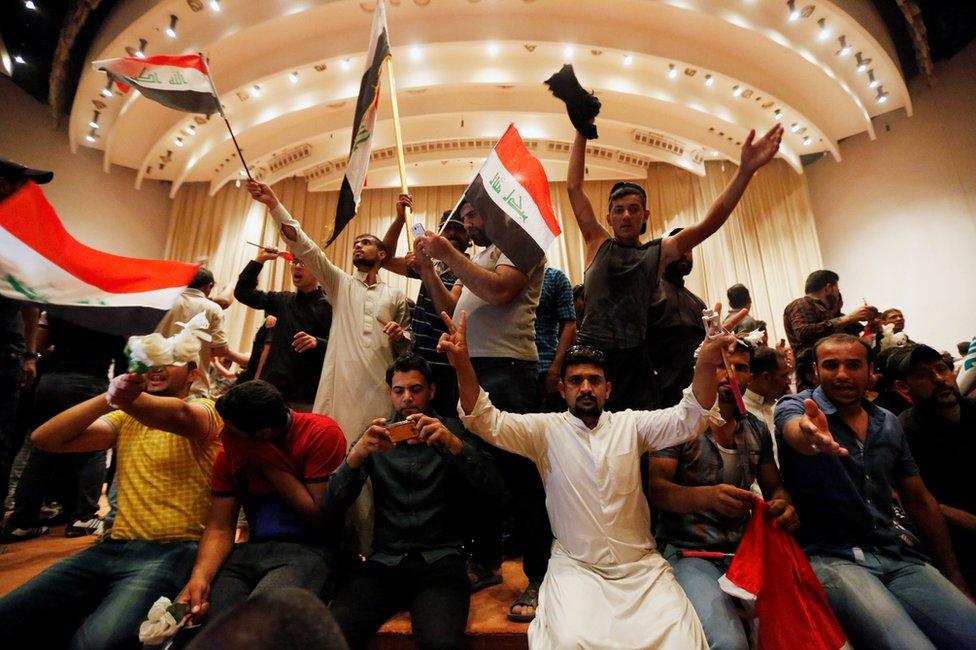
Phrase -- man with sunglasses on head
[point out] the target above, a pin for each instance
(622, 273)
(301, 332)
(605, 579)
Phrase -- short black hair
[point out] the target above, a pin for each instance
(842, 338)
(738, 295)
(202, 278)
(626, 188)
(745, 346)
(379, 242)
(578, 292)
(407, 363)
(579, 355)
(819, 280)
(253, 405)
(765, 359)
(890, 311)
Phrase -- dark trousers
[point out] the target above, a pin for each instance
(57, 392)
(632, 379)
(437, 596)
(511, 385)
(11, 374)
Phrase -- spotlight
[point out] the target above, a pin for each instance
(215, 5)
(824, 30)
(179, 141)
(794, 12)
(107, 90)
(237, 183)
(736, 90)
(293, 77)
(882, 95)
(715, 153)
(628, 60)
(94, 120)
(492, 49)
(777, 114)
(845, 49)
(171, 30)
(874, 83)
(192, 129)
(415, 52)
(862, 63)
(91, 136)
(139, 53)
(709, 80)
(807, 141)
(345, 64)
(256, 90)
(30, 5)
(795, 127)
(568, 51)
(672, 71)
(19, 59)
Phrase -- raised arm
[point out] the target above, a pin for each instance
(804, 427)
(755, 154)
(398, 265)
(246, 290)
(496, 286)
(594, 234)
(445, 298)
(77, 429)
(171, 414)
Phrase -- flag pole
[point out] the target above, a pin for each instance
(398, 136)
(220, 109)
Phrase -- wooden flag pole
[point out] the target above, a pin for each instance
(220, 109)
(398, 136)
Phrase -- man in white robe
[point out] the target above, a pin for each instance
(606, 586)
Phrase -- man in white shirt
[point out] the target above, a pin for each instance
(770, 381)
(606, 583)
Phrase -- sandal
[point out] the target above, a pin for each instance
(529, 598)
(482, 577)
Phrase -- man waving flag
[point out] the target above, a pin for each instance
(179, 82)
(362, 126)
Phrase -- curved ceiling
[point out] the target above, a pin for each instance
(681, 81)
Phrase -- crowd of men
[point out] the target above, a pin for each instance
(384, 457)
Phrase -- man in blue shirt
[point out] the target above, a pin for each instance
(841, 457)
(555, 332)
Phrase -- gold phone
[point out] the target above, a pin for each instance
(400, 431)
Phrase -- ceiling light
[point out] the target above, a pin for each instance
(794, 12)
(709, 80)
(628, 59)
(736, 90)
(256, 90)
(192, 129)
(30, 5)
(415, 52)
(882, 95)
(179, 142)
(345, 64)
(94, 120)
(139, 53)
(672, 71)
(91, 136)
(874, 82)
(777, 114)
(19, 59)
(862, 63)
(215, 5)
(568, 51)
(237, 183)
(492, 49)
(807, 141)
(845, 49)
(715, 153)
(171, 30)
(242, 173)
(824, 30)
(107, 90)
(794, 127)
(293, 77)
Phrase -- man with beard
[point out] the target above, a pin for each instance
(426, 320)
(622, 273)
(770, 380)
(423, 490)
(842, 458)
(941, 430)
(501, 302)
(299, 338)
(817, 314)
(166, 444)
(370, 322)
(677, 331)
(606, 581)
(701, 489)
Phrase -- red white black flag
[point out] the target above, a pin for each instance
(179, 82)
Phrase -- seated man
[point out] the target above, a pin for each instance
(701, 488)
(422, 491)
(605, 578)
(841, 458)
(275, 462)
(941, 431)
(166, 446)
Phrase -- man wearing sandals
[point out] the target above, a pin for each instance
(605, 578)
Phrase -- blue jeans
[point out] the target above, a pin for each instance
(715, 608)
(883, 602)
(97, 598)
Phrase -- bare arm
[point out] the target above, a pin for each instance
(215, 547)
(444, 298)
(594, 234)
(958, 518)
(496, 286)
(30, 315)
(398, 265)
(924, 510)
(305, 499)
(235, 356)
(567, 336)
(77, 429)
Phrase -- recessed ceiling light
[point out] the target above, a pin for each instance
(568, 51)
(19, 59)
(672, 71)
(778, 114)
(179, 142)
(736, 90)
(415, 53)
(845, 49)
(171, 30)
(862, 62)
(882, 95)
(345, 64)
(628, 59)
(807, 141)
(215, 5)
(30, 5)
(90, 137)
(873, 83)
(293, 77)
(795, 127)
(709, 80)
(794, 12)
(492, 49)
(256, 90)
(824, 30)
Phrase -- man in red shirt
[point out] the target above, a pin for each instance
(276, 463)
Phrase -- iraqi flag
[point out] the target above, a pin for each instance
(967, 370)
(511, 193)
(362, 126)
(41, 263)
(178, 82)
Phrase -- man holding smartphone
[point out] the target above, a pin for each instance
(422, 491)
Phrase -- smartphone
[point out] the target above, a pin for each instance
(418, 230)
(402, 430)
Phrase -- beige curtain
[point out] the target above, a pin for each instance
(769, 244)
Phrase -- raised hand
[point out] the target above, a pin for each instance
(393, 331)
(404, 201)
(756, 153)
(454, 342)
(375, 440)
(432, 432)
(266, 255)
(436, 246)
(124, 389)
(304, 341)
(816, 431)
(262, 193)
(715, 343)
